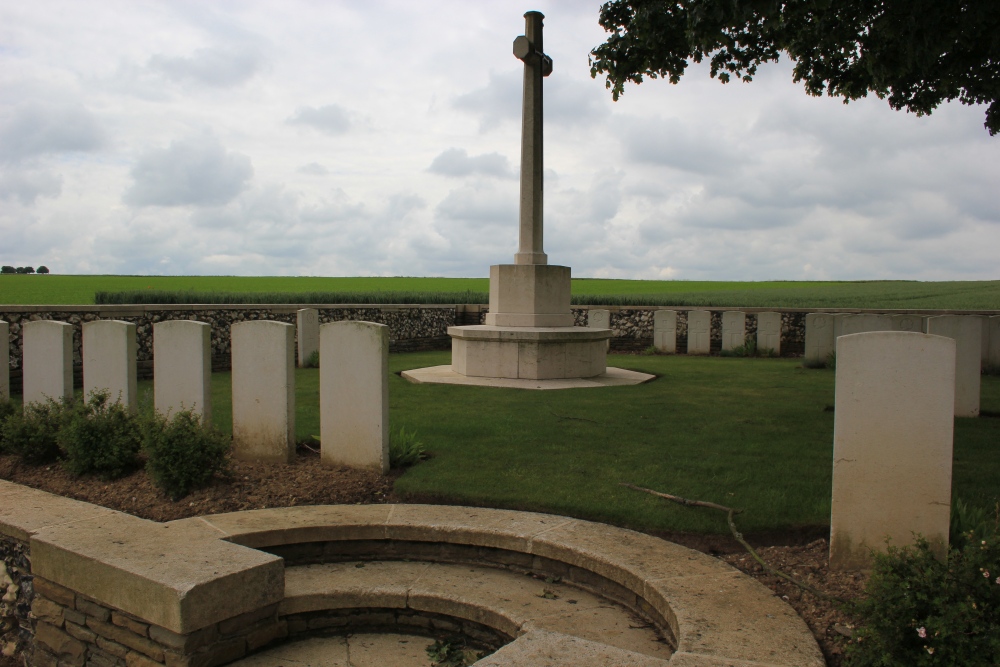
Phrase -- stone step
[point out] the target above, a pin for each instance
(544, 614)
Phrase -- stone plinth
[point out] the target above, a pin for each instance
(109, 361)
(699, 332)
(354, 394)
(769, 332)
(263, 391)
(182, 368)
(529, 295)
(47, 361)
(892, 443)
(665, 331)
(307, 328)
(734, 327)
(4, 361)
(966, 331)
(536, 353)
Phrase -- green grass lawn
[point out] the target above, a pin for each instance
(968, 295)
(750, 433)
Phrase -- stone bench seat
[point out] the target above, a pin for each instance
(512, 603)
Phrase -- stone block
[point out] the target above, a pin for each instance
(4, 361)
(47, 611)
(819, 336)
(993, 358)
(966, 331)
(354, 394)
(769, 332)
(182, 367)
(665, 331)
(65, 647)
(912, 323)
(47, 361)
(892, 443)
(528, 353)
(109, 357)
(529, 295)
(263, 391)
(307, 329)
(734, 329)
(699, 338)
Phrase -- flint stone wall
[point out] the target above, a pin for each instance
(16, 595)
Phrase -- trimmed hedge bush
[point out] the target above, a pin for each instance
(182, 452)
(32, 434)
(101, 438)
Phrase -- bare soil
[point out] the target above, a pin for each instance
(248, 486)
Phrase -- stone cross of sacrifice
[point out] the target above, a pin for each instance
(528, 48)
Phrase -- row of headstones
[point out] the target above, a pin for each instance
(354, 405)
(977, 340)
(699, 327)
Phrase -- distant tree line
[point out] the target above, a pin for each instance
(23, 269)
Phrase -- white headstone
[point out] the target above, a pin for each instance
(599, 319)
(769, 332)
(665, 331)
(109, 356)
(863, 323)
(912, 323)
(182, 368)
(4, 361)
(734, 329)
(699, 332)
(892, 444)
(985, 357)
(967, 333)
(307, 325)
(354, 394)
(47, 361)
(819, 336)
(993, 359)
(263, 391)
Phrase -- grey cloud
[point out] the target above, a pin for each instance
(217, 67)
(330, 119)
(314, 169)
(457, 162)
(567, 101)
(194, 171)
(28, 185)
(37, 129)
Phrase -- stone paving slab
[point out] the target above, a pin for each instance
(356, 650)
(613, 377)
(551, 649)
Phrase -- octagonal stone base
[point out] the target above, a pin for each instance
(535, 353)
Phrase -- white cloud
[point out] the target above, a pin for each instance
(217, 67)
(457, 162)
(28, 185)
(194, 171)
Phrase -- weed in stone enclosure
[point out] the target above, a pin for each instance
(404, 449)
(920, 611)
(182, 453)
(32, 435)
(452, 653)
(100, 437)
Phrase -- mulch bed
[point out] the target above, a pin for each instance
(249, 486)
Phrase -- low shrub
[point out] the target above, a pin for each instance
(973, 522)
(312, 361)
(814, 363)
(101, 437)
(32, 434)
(919, 610)
(404, 449)
(182, 453)
(749, 349)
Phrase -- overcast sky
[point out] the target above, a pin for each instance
(255, 137)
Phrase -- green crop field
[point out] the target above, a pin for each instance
(957, 295)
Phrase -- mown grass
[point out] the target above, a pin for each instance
(750, 433)
(60, 289)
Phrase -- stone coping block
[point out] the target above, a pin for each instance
(179, 577)
(485, 332)
(612, 377)
(715, 612)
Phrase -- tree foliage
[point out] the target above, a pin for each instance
(914, 53)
